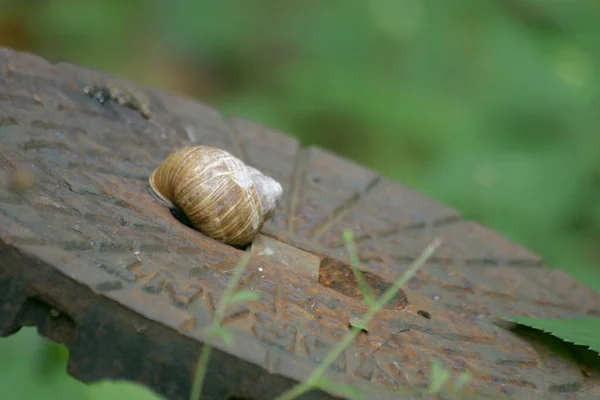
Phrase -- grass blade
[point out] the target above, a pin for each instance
(318, 373)
(215, 328)
(368, 297)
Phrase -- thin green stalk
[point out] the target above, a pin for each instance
(201, 369)
(368, 297)
(232, 284)
(216, 324)
(314, 378)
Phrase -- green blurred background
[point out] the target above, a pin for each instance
(489, 106)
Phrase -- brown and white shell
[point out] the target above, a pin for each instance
(221, 196)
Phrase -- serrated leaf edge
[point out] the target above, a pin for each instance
(564, 339)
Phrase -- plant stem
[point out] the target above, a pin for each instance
(368, 297)
(215, 324)
(201, 371)
(231, 285)
(313, 379)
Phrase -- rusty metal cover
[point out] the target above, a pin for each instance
(92, 259)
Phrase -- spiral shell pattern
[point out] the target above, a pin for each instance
(221, 196)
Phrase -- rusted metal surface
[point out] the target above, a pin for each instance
(97, 263)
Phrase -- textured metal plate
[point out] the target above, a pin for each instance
(97, 263)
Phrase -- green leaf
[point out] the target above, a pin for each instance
(223, 334)
(244, 296)
(359, 324)
(32, 367)
(582, 331)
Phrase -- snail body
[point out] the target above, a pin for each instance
(221, 196)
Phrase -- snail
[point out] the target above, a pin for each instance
(220, 195)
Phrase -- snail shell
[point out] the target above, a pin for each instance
(221, 196)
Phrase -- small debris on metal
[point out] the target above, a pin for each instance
(424, 314)
(100, 94)
(21, 180)
(104, 93)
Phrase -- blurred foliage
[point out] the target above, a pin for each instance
(34, 368)
(489, 106)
